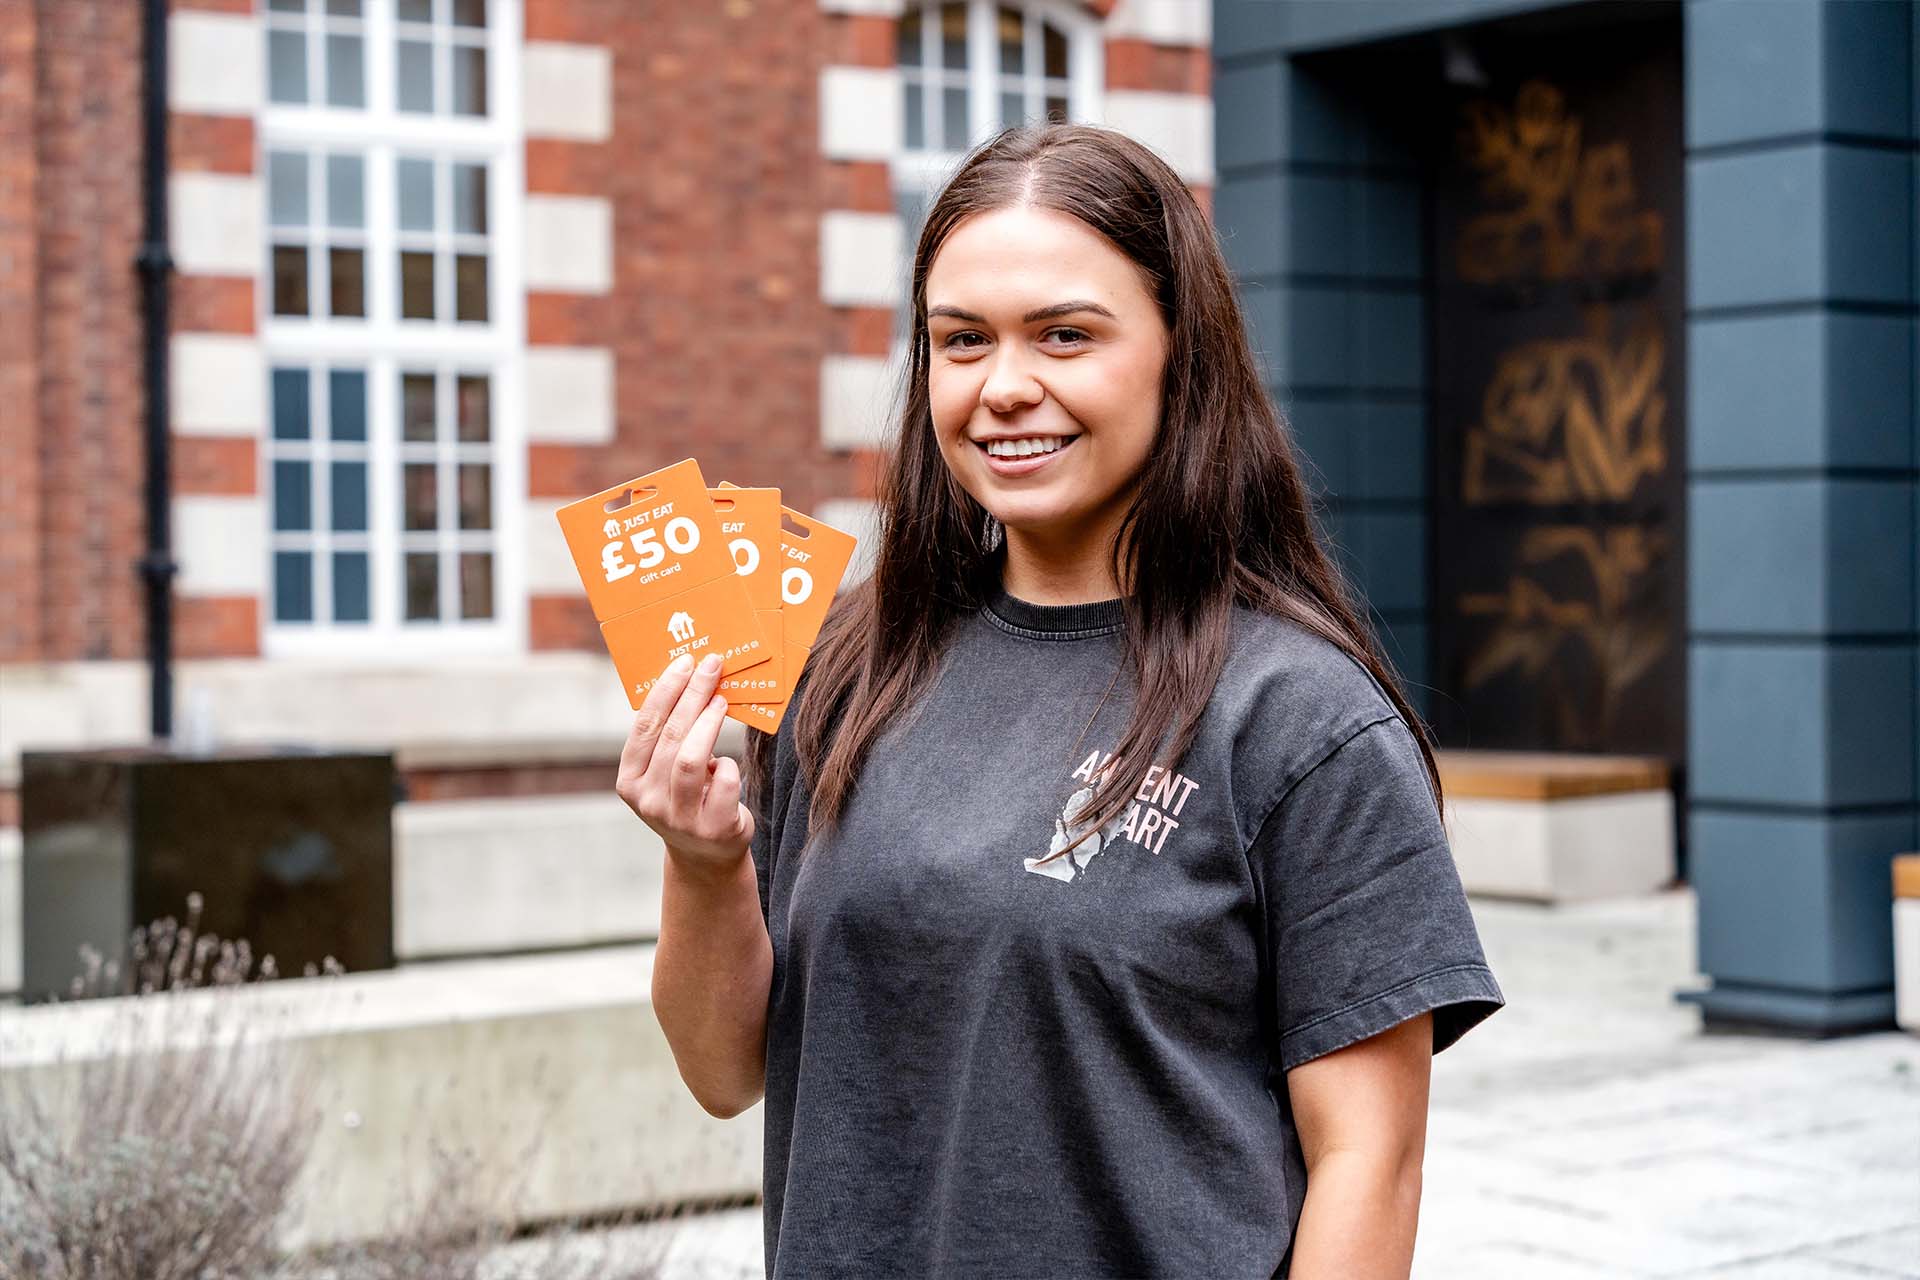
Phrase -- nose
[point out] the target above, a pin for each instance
(1009, 385)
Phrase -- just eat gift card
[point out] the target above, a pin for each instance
(660, 577)
(813, 559)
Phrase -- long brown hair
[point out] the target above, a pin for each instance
(1219, 514)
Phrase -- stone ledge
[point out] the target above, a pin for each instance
(559, 1056)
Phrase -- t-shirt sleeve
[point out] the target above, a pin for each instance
(1367, 924)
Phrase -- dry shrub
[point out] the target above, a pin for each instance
(171, 1147)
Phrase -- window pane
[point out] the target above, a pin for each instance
(349, 496)
(346, 74)
(423, 585)
(953, 35)
(1056, 51)
(416, 286)
(293, 586)
(350, 586)
(348, 270)
(469, 13)
(916, 117)
(292, 495)
(470, 287)
(286, 66)
(476, 495)
(416, 406)
(287, 188)
(286, 6)
(345, 8)
(475, 419)
(469, 81)
(289, 280)
(290, 404)
(416, 10)
(476, 584)
(1013, 52)
(422, 502)
(470, 199)
(1012, 109)
(347, 404)
(415, 75)
(416, 195)
(907, 53)
(953, 126)
(346, 191)
(1056, 108)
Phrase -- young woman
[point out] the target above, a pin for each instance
(1091, 913)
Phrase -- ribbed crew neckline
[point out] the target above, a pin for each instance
(1055, 621)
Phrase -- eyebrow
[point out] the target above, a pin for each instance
(1053, 312)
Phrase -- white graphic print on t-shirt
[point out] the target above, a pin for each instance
(1153, 815)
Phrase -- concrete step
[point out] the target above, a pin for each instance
(551, 1070)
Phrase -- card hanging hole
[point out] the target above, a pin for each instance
(629, 497)
(793, 530)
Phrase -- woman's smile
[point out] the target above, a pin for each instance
(1022, 455)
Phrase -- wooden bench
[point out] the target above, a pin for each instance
(1906, 941)
(1559, 826)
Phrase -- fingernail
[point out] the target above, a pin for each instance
(682, 663)
(710, 664)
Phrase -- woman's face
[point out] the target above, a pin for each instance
(1046, 354)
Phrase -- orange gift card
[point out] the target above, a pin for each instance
(660, 578)
(750, 519)
(813, 559)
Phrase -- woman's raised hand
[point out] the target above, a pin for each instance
(669, 776)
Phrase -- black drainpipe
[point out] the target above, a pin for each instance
(155, 263)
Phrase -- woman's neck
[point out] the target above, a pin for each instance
(1044, 571)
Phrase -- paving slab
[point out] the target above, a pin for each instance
(1593, 1128)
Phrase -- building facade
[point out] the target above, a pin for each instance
(439, 267)
(1597, 323)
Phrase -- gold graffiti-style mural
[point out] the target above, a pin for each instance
(1534, 628)
(1566, 209)
(1571, 419)
(1563, 420)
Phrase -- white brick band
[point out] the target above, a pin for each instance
(569, 394)
(218, 539)
(860, 113)
(1177, 125)
(860, 259)
(855, 401)
(569, 243)
(568, 91)
(215, 223)
(214, 63)
(217, 386)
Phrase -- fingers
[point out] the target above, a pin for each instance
(638, 751)
(723, 800)
(679, 722)
(689, 776)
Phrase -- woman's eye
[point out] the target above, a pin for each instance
(954, 340)
(1071, 335)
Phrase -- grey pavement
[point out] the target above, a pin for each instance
(1591, 1129)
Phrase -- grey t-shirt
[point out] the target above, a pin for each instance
(978, 1067)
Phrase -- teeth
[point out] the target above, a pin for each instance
(1021, 448)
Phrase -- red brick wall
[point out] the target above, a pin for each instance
(85, 426)
(715, 318)
(19, 338)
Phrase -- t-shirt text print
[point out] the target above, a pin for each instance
(1153, 815)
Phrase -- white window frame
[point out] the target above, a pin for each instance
(925, 170)
(927, 167)
(385, 345)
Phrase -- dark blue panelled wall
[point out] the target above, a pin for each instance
(1802, 566)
